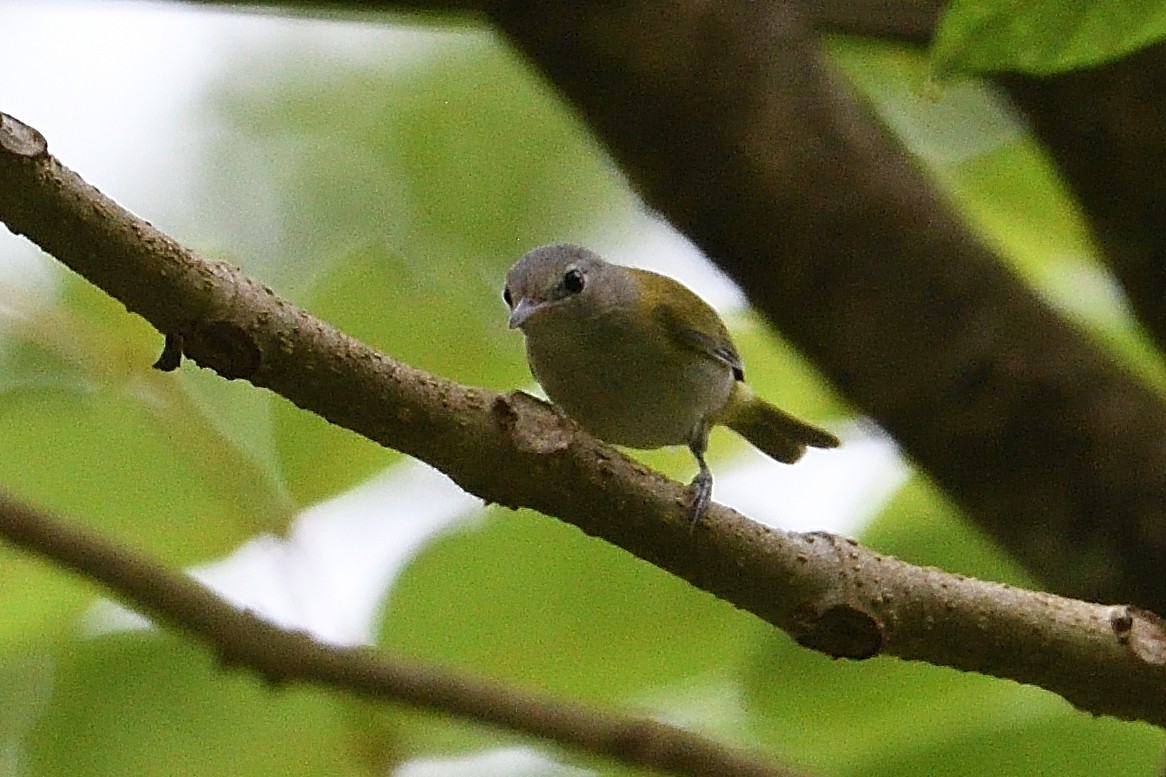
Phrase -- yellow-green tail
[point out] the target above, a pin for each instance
(774, 432)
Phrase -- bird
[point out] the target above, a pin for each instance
(637, 359)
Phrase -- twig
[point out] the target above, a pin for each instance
(280, 656)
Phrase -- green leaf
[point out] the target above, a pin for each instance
(964, 120)
(528, 599)
(921, 526)
(1042, 36)
(79, 368)
(149, 705)
(889, 717)
(458, 160)
(171, 463)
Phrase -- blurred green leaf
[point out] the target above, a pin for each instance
(946, 125)
(82, 367)
(1023, 740)
(455, 161)
(431, 315)
(889, 717)
(97, 460)
(531, 600)
(26, 681)
(1042, 36)
(144, 704)
(921, 526)
(93, 433)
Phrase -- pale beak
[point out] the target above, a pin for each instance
(522, 311)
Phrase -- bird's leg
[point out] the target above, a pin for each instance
(701, 487)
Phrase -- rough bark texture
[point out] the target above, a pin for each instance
(827, 592)
(728, 119)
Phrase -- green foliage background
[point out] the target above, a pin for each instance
(1043, 36)
(388, 200)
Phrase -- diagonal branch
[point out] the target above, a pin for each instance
(730, 120)
(829, 593)
(241, 638)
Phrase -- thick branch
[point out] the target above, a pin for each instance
(828, 593)
(243, 639)
(730, 121)
(912, 21)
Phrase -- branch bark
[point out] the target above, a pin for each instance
(729, 119)
(829, 593)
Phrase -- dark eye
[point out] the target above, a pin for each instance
(507, 298)
(573, 281)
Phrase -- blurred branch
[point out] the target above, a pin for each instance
(911, 21)
(241, 638)
(730, 120)
(829, 593)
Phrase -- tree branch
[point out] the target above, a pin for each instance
(911, 21)
(829, 593)
(243, 639)
(729, 119)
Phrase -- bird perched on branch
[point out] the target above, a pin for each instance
(638, 359)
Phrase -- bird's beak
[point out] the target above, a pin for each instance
(522, 311)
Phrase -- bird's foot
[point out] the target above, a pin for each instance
(701, 494)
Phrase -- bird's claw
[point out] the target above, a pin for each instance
(701, 491)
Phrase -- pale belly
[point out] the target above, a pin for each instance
(619, 389)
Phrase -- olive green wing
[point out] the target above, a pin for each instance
(687, 320)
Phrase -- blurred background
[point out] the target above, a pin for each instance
(383, 173)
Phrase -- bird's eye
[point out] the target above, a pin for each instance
(573, 281)
(507, 298)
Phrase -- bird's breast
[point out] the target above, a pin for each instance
(627, 385)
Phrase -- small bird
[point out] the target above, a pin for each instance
(637, 359)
